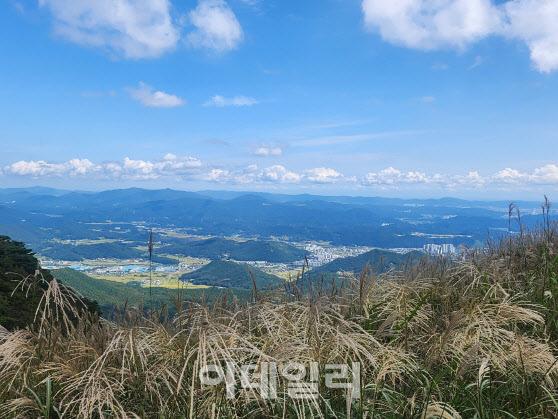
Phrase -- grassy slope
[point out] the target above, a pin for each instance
(110, 294)
(230, 274)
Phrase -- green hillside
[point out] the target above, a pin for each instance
(17, 307)
(274, 252)
(219, 248)
(110, 294)
(380, 260)
(230, 274)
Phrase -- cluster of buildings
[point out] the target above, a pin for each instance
(439, 249)
(119, 270)
(319, 255)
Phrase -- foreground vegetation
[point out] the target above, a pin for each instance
(438, 338)
(18, 305)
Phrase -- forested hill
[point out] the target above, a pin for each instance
(379, 260)
(227, 274)
(212, 248)
(116, 250)
(220, 248)
(17, 306)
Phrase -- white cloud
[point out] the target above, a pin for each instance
(509, 176)
(173, 164)
(113, 170)
(169, 165)
(131, 28)
(221, 101)
(216, 26)
(428, 24)
(138, 169)
(266, 149)
(470, 180)
(278, 174)
(431, 25)
(218, 175)
(390, 177)
(186, 168)
(323, 175)
(536, 23)
(34, 169)
(155, 99)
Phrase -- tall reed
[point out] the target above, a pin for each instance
(470, 337)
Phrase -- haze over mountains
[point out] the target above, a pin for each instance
(37, 215)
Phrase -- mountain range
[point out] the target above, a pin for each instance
(38, 215)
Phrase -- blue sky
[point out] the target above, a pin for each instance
(412, 98)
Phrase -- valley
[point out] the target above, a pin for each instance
(105, 234)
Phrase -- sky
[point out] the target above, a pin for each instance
(410, 98)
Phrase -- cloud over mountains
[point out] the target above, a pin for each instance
(390, 177)
(185, 168)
